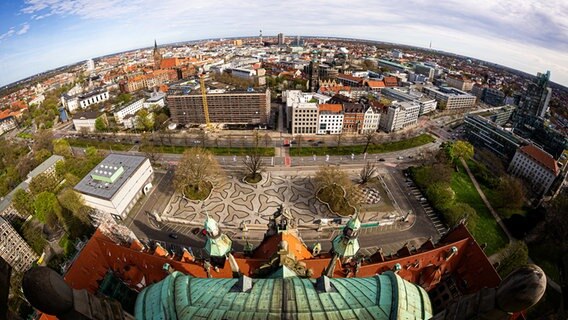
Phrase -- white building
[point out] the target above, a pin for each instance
(6, 124)
(401, 115)
(86, 120)
(157, 99)
(535, 166)
(116, 183)
(371, 120)
(93, 97)
(450, 98)
(294, 98)
(13, 249)
(128, 109)
(90, 65)
(427, 105)
(330, 118)
(74, 102)
(304, 118)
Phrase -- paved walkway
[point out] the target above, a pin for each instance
(234, 202)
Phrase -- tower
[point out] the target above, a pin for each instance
(260, 38)
(281, 39)
(157, 56)
(536, 99)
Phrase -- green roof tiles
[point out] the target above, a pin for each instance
(382, 297)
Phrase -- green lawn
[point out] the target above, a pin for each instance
(218, 151)
(358, 149)
(104, 145)
(487, 229)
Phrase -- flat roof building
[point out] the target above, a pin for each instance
(116, 183)
(239, 107)
(450, 98)
(13, 249)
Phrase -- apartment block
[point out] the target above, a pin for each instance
(13, 249)
(400, 115)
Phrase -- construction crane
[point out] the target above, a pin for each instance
(204, 99)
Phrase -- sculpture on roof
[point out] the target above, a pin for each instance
(218, 247)
(345, 245)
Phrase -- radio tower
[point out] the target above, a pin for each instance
(261, 37)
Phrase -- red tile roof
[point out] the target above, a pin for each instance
(375, 84)
(335, 108)
(541, 157)
(390, 81)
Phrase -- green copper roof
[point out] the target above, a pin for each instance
(345, 247)
(218, 247)
(386, 296)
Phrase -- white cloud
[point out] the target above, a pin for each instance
(24, 29)
(7, 34)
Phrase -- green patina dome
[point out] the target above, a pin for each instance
(385, 296)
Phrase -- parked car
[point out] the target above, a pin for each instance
(382, 159)
(400, 157)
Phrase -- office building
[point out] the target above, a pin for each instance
(7, 122)
(483, 133)
(535, 166)
(427, 71)
(90, 64)
(459, 82)
(281, 39)
(399, 115)
(427, 105)
(116, 183)
(128, 109)
(493, 97)
(537, 96)
(13, 249)
(74, 102)
(86, 121)
(330, 118)
(238, 107)
(450, 98)
(392, 66)
(304, 118)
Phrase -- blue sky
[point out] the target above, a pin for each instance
(38, 35)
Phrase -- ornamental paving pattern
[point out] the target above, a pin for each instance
(233, 202)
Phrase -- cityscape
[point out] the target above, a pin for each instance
(283, 176)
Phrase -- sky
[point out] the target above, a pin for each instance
(39, 35)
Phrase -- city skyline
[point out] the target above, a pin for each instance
(39, 35)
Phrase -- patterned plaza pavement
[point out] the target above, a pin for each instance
(233, 202)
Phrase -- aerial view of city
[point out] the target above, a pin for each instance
(283, 160)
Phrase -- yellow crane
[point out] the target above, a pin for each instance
(204, 99)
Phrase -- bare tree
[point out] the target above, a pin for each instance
(196, 167)
(339, 138)
(230, 140)
(267, 140)
(369, 138)
(256, 138)
(203, 138)
(253, 166)
(367, 172)
(299, 141)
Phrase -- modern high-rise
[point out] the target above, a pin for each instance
(13, 249)
(537, 97)
(225, 106)
(281, 39)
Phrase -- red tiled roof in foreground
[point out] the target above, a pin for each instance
(541, 157)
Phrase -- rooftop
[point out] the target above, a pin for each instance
(44, 166)
(542, 157)
(86, 115)
(330, 108)
(109, 175)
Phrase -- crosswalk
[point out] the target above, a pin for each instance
(434, 216)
